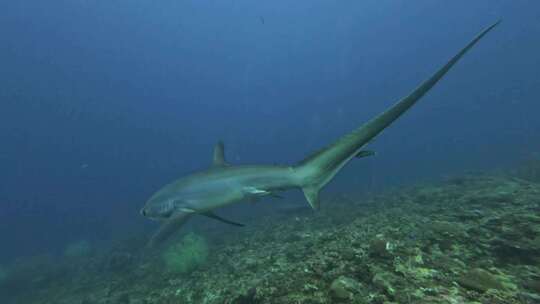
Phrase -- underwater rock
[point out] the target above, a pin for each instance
(480, 280)
(380, 248)
(446, 229)
(531, 298)
(35, 271)
(447, 263)
(247, 298)
(384, 281)
(517, 238)
(119, 261)
(508, 251)
(123, 299)
(533, 284)
(345, 288)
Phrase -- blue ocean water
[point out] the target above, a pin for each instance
(103, 102)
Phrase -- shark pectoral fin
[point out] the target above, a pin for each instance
(255, 191)
(219, 155)
(188, 210)
(255, 194)
(212, 215)
(364, 153)
(168, 228)
(312, 196)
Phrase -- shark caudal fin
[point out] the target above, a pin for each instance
(317, 170)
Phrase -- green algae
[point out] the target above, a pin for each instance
(345, 288)
(480, 280)
(187, 255)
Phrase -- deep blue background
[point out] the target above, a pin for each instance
(105, 101)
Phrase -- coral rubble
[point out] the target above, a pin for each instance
(472, 239)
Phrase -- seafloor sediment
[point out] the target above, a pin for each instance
(467, 240)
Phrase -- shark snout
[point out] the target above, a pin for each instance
(147, 212)
(157, 210)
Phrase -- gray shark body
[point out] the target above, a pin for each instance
(224, 184)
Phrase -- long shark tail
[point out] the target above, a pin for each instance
(317, 170)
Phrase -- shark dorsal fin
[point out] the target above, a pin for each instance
(219, 155)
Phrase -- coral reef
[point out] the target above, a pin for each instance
(471, 239)
(481, 280)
